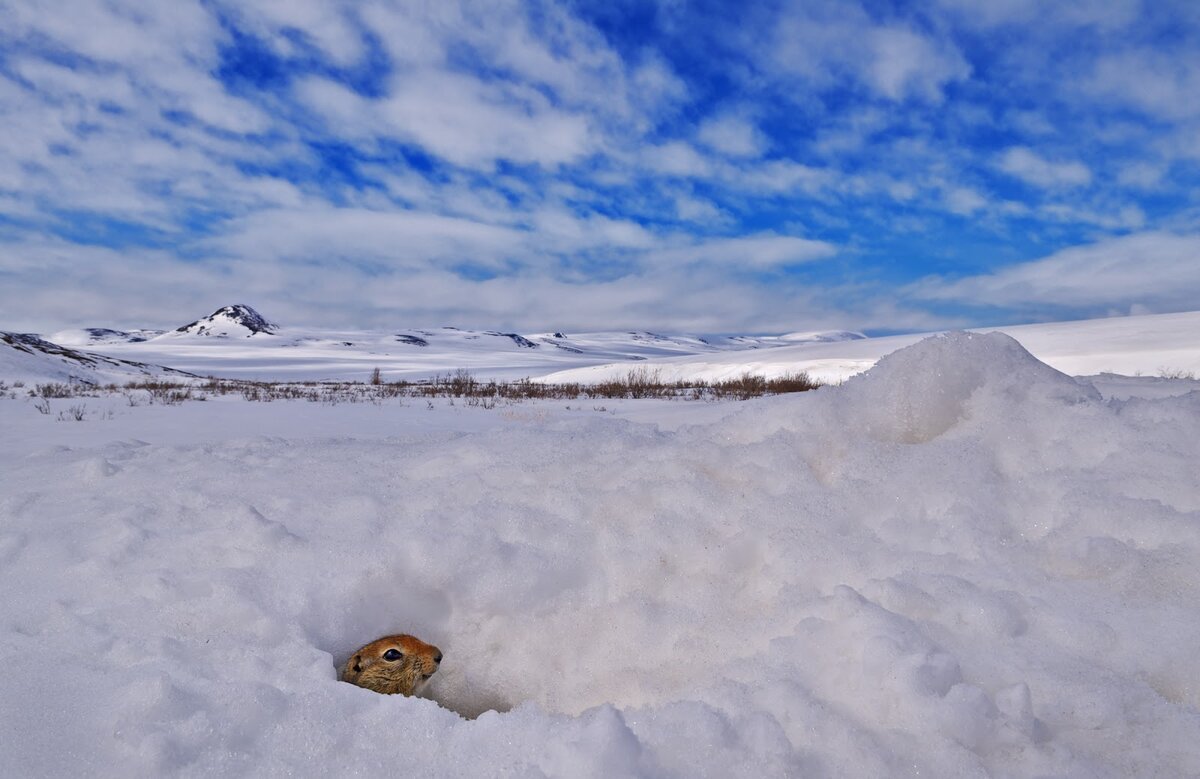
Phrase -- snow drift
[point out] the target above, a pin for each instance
(962, 563)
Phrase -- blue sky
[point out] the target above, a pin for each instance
(706, 167)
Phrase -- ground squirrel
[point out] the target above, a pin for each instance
(393, 664)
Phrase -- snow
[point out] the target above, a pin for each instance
(1134, 346)
(240, 343)
(31, 360)
(236, 321)
(301, 354)
(960, 563)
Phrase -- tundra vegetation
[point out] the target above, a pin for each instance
(457, 385)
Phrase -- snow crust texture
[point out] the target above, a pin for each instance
(962, 563)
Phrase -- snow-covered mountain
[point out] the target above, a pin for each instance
(236, 321)
(239, 342)
(31, 359)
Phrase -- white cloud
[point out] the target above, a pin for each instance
(357, 269)
(694, 209)
(1143, 175)
(1128, 217)
(557, 56)
(820, 43)
(149, 287)
(551, 97)
(781, 176)
(755, 252)
(389, 240)
(559, 231)
(964, 201)
(1161, 83)
(123, 32)
(133, 165)
(851, 130)
(605, 148)
(410, 34)
(323, 24)
(457, 117)
(163, 52)
(1156, 270)
(1030, 167)
(653, 83)
(469, 122)
(1064, 15)
(733, 135)
(905, 64)
(676, 158)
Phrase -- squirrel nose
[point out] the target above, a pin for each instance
(438, 658)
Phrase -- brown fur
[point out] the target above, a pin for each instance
(404, 675)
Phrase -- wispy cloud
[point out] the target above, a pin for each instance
(731, 134)
(1028, 166)
(765, 166)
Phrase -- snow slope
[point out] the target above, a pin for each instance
(1134, 345)
(29, 359)
(961, 563)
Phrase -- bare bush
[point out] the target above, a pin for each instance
(54, 390)
(168, 393)
(638, 383)
(792, 382)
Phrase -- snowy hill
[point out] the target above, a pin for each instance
(1135, 345)
(230, 321)
(239, 342)
(30, 359)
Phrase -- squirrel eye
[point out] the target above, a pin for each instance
(392, 655)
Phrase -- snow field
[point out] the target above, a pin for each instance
(961, 563)
(1149, 345)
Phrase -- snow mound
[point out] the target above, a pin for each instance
(920, 392)
(230, 321)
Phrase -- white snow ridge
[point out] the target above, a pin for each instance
(961, 563)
